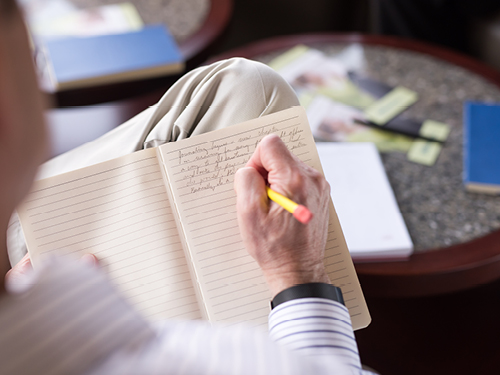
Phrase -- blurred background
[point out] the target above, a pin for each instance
(467, 26)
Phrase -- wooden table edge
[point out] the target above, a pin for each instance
(287, 41)
(216, 21)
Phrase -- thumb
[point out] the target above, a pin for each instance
(17, 279)
(90, 260)
(22, 268)
(251, 197)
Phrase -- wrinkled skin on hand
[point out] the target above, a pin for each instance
(288, 252)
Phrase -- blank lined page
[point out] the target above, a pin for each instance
(201, 170)
(119, 211)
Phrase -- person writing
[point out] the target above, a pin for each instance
(66, 317)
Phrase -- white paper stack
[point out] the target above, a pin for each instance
(372, 223)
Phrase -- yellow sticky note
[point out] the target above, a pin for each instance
(287, 57)
(391, 105)
(424, 152)
(306, 98)
(132, 15)
(435, 130)
(347, 93)
(384, 141)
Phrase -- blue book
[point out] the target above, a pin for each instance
(75, 62)
(482, 147)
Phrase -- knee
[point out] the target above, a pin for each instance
(249, 71)
(261, 79)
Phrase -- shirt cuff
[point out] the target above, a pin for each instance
(315, 326)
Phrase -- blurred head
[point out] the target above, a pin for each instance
(23, 141)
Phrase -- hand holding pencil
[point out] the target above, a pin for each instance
(289, 248)
(300, 212)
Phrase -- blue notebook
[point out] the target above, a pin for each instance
(482, 147)
(75, 62)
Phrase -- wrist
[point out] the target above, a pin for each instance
(310, 290)
(279, 281)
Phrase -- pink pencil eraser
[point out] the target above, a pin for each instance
(302, 214)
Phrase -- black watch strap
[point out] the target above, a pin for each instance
(318, 290)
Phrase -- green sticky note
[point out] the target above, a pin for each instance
(391, 105)
(306, 98)
(397, 143)
(384, 141)
(132, 15)
(347, 93)
(286, 58)
(424, 152)
(435, 130)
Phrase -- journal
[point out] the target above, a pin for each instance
(163, 224)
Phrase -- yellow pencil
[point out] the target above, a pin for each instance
(300, 212)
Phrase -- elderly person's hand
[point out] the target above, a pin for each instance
(17, 277)
(288, 252)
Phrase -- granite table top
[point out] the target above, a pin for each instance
(437, 210)
(183, 17)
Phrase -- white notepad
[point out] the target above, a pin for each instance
(373, 226)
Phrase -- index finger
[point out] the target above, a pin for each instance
(271, 158)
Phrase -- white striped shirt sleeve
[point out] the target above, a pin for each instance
(69, 319)
(315, 327)
(73, 322)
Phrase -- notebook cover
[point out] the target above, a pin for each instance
(75, 59)
(481, 144)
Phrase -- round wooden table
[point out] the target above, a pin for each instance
(436, 267)
(195, 24)
(437, 312)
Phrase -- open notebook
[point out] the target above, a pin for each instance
(162, 222)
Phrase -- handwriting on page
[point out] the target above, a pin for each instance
(212, 165)
(201, 172)
(202, 175)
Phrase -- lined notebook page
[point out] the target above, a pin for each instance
(200, 171)
(119, 211)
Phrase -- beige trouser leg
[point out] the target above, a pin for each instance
(208, 98)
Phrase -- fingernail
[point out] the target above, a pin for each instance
(89, 259)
